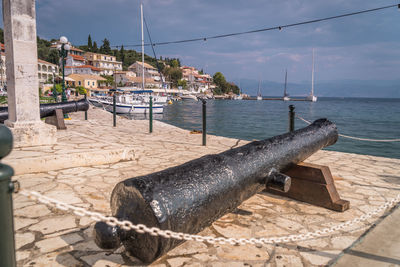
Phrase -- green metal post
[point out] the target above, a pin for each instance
(7, 243)
(86, 110)
(54, 87)
(151, 115)
(291, 118)
(204, 122)
(114, 110)
(63, 54)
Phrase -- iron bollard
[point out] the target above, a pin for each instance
(151, 115)
(7, 244)
(204, 122)
(85, 110)
(114, 110)
(291, 118)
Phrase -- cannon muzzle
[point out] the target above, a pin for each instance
(47, 110)
(190, 197)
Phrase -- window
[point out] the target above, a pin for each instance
(79, 82)
(88, 83)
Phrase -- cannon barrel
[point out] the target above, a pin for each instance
(47, 110)
(189, 197)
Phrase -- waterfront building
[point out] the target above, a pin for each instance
(82, 69)
(196, 82)
(106, 63)
(123, 77)
(89, 82)
(75, 60)
(149, 71)
(46, 72)
(3, 77)
(137, 82)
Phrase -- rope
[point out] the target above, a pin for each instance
(356, 138)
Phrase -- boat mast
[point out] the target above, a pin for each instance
(259, 88)
(141, 18)
(284, 93)
(312, 75)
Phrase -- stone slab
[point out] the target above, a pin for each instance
(380, 247)
(52, 162)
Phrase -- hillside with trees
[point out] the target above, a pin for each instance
(224, 87)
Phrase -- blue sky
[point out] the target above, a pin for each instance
(362, 47)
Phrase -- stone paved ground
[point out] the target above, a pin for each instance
(49, 237)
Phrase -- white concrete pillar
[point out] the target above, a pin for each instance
(19, 19)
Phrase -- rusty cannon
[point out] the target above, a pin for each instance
(47, 110)
(190, 197)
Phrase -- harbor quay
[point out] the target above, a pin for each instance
(91, 157)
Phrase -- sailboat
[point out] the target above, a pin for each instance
(285, 94)
(311, 97)
(259, 96)
(239, 96)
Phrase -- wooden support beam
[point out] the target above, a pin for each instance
(313, 184)
(57, 120)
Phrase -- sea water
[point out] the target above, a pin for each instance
(256, 120)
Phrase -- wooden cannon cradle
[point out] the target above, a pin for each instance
(313, 184)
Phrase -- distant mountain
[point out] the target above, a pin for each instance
(341, 88)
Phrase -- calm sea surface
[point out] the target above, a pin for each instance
(248, 120)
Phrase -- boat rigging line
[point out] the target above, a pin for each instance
(154, 52)
(262, 29)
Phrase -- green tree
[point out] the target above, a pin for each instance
(220, 82)
(53, 57)
(81, 90)
(182, 83)
(1, 36)
(89, 43)
(94, 48)
(121, 55)
(59, 88)
(105, 48)
(174, 75)
(175, 63)
(109, 79)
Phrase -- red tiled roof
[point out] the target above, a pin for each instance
(77, 49)
(88, 66)
(83, 67)
(76, 57)
(2, 46)
(45, 62)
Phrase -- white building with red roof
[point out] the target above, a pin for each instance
(82, 69)
(46, 72)
(74, 60)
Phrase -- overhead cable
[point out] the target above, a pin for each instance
(263, 29)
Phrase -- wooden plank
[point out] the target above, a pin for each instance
(313, 184)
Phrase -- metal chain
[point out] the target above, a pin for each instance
(154, 231)
(356, 138)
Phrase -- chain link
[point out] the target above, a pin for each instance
(154, 231)
(355, 138)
